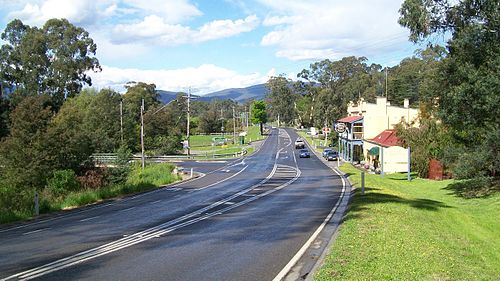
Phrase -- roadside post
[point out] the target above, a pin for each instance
(409, 157)
(362, 183)
(37, 209)
(340, 129)
(191, 175)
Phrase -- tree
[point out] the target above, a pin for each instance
(52, 60)
(25, 155)
(259, 114)
(339, 82)
(468, 99)
(281, 99)
(132, 100)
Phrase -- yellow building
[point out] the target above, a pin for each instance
(368, 121)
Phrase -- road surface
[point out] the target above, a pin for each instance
(244, 219)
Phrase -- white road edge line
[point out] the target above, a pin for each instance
(313, 237)
(91, 218)
(34, 231)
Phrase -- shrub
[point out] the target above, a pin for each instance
(156, 174)
(62, 181)
(94, 178)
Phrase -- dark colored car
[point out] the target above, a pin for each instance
(325, 152)
(332, 155)
(304, 153)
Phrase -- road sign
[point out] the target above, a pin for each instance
(340, 127)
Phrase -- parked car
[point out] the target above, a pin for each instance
(299, 143)
(332, 155)
(304, 153)
(325, 152)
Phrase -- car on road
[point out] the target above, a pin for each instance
(325, 152)
(304, 153)
(299, 143)
(332, 155)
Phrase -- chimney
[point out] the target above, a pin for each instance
(406, 103)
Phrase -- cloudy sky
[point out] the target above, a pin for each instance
(217, 44)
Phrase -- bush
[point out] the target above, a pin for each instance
(156, 174)
(62, 181)
(94, 178)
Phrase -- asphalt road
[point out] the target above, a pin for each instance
(244, 219)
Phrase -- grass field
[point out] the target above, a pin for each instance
(202, 144)
(418, 230)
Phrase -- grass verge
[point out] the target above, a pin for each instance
(416, 230)
(153, 176)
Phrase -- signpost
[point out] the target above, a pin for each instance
(339, 128)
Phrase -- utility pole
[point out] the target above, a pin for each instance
(386, 82)
(247, 115)
(142, 134)
(222, 122)
(234, 127)
(121, 120)
(188, 116)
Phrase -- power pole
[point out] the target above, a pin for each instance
(142, 134)
(188, 116)
(222, 122)
(121, 120)
(234, 127)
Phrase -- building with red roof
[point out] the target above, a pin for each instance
(369, 136)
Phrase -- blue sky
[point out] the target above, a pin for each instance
(216, 44)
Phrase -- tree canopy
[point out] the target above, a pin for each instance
(52, 60)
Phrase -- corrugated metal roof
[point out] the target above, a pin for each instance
(386, 138)
(350, 119)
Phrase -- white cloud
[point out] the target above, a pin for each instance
(279, 20)
(333, 28)
(156, 30)
(172, 11)
(76, 11)
(206, 78)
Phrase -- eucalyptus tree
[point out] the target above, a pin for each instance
(51, 60)
(469, 78)
(282, 99)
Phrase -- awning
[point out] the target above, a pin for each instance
(374, 150)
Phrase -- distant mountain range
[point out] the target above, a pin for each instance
(240, 95)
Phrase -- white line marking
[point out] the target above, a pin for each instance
(128, 209)
(34, 231)
(223, 180)
(91, 218)
(157, 201)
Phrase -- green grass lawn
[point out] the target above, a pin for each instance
(418, 230)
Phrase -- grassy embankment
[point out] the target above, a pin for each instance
(153, 176)
(418, 230)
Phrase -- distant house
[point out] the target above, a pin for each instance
(370, 125)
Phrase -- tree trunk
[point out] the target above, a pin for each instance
(261, 130)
